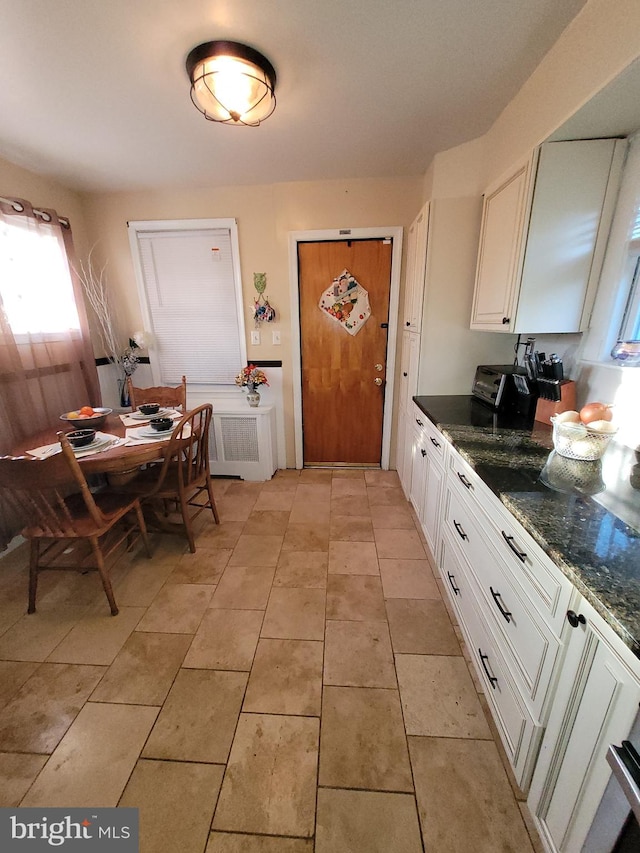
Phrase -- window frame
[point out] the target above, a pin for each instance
(186, 225)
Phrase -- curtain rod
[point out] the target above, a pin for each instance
(19, 207)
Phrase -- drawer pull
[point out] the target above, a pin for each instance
(464, 480)
(451, 581)
(405, 374)
(419, 422)
(497, 598)
(460, 530)
(492, 679)
(521, 555)
(434, 442)
(574, 619)
(423, 451)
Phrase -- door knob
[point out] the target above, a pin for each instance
(377, 380)
(378, 367)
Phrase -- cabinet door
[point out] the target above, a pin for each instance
(409, 361)
(499, 254)
(417, 292)
(403, 451)
(418, 468)
(416, 265)
(567, 213)
(595, 706)
(432, 501)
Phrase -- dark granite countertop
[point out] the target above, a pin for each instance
(584, 515)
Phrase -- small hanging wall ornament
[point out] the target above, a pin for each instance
(346, 302)
(262, 311)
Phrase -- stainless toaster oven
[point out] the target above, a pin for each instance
(505, 387)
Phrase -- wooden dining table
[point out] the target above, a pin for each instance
(118, 463)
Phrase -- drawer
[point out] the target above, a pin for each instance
(526, 640)
(525, 562)
(436, 442)
(519, 731)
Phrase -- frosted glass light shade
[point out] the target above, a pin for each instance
(231, 83)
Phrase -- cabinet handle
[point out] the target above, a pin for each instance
(451, 581)
(405, 374)
(434, 442)
(464, 480)
(506, 320)
(496, 597)
(407, 322)
(423, 451)
(460, 530)
(574, 619)
(419, 422)
(492, 679)
(521, 555)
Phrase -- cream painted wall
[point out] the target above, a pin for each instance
(265, 215)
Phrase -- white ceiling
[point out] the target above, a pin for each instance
(95, 93)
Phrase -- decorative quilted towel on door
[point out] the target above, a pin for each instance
(346, 302)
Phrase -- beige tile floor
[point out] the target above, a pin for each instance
(296, 685)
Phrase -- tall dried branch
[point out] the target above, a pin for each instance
(94, 282)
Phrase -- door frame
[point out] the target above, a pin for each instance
(395, 234)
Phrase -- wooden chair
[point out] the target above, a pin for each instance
(69, 527)
(163, 394)
(184, 474)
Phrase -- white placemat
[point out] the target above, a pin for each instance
(49, 449)
(136, 435)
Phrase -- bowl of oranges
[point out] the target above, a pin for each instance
(86, 417)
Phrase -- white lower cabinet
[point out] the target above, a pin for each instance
(595, 705)
(519, 731)
(403, 452)
(427, 476)
(560, 683)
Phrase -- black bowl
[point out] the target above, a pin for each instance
(161, 424)
(149, 408)
(81, 437)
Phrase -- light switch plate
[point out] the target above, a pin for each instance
(275, 337)
(255, 338)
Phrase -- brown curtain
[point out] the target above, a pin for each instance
(42, 374)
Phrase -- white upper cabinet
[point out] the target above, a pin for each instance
(544, 230)
(416, 263)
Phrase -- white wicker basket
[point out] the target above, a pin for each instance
(577, 441)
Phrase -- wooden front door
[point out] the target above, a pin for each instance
(342, 399)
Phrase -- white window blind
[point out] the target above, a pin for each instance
(190, 284)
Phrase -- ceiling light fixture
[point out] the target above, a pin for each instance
(231, 83)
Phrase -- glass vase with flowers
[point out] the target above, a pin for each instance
(251, 377)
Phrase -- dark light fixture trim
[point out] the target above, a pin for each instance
(203, 83)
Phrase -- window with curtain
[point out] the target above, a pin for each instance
(47, 365)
